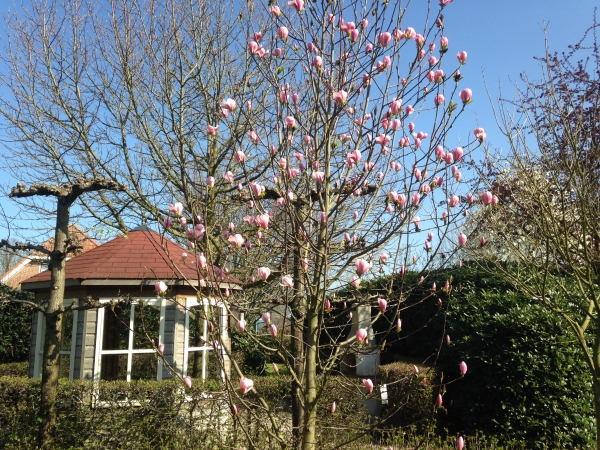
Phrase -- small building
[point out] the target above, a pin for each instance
(37, 262)
(118, 342)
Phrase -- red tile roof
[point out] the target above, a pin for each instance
(141, 255)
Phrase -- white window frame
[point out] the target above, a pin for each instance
(129, 351)
(191, 302)
(40, 330)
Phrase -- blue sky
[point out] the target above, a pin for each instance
(501, 38)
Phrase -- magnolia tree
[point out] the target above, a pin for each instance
(346, 173)
(540, 215)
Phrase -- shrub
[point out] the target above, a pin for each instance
(15, 326)
(523, 363)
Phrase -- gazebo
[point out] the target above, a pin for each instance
(118, 342)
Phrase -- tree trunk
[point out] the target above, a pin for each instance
(310, 376)
(297, 350)
(53, 316)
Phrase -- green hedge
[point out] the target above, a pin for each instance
(152, 414)
(526, 380)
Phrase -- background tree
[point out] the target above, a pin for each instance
(547, 220)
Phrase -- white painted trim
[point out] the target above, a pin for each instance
(73, 345)
(15, 270)
(129, 351)
(193, 301)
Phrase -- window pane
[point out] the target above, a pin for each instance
(116, 328)
(67, 330)
(146, 325)
(213, 370)
(196, 321)
(113, 367)
(144, 366)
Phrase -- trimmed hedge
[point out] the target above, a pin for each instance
(153, 414)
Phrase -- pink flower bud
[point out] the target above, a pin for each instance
(361, 335)
(283, 33)
(384, 39)
(382, 304)
(161, 349)
(463, 368)
(161, 287)
(332, 408)
(368, 385)
(246, 385)
(187, 381)
(465, 95)
(460, 443)
(462, 240)
(287, 281)
(462, 57)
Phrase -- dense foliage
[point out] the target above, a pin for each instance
(15, 326)
(526, 376)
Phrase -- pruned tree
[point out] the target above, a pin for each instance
(65, 196)
(544, 232)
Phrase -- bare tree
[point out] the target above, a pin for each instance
(544, 234)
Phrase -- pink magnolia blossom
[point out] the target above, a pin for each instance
(237, 240)
(494, 200)
(262, 221)
(355, 281)
(253, 137)
(466, 95)
(453, 201)
(462, 57)
(317, 62)
(384, 39)
(212, 130)
(160, 287)
(463, 368)
(399, 324)
(368, 385)
(482, 242)
(479, 134)
(439, 400)
(176, 209)
(229, 104)
(246, 385)
(168, 223)
(266, 317)
(460, 443)
(283, 33)
(361, 335)
(382, 304)
(417, 222)
(462, 239)
(195, 233)
(362, 266)
(161, 349)
(340, 97)
(241, 324)
(275, 10)
(432, 61)
(383, 258)
(287, 281)
(410, 33)
(332, 409)
(457, 153)
(486, 198)
(201, 261)
(416, 370)
(273, 330)
(290, 122)
(415, 198)
(187, 381)
(404, 142)
(210, 181)
(275, 368)
(264, 272)
(439, 99)
(298, 5)
(444, 42)
(368, 48)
